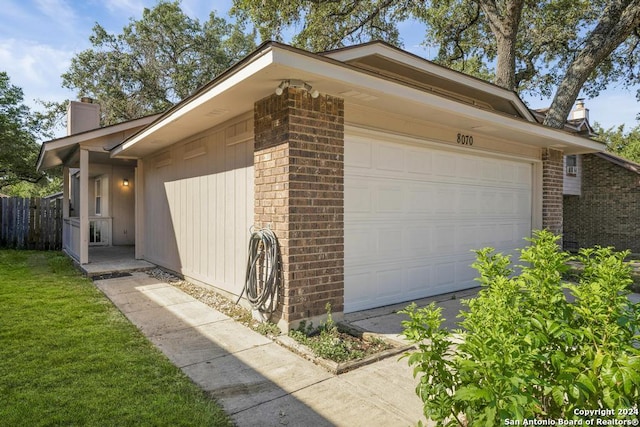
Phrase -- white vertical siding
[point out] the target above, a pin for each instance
(199, 205)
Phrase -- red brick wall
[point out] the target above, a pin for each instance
(608, 211)
(299, 193)
(552, 179)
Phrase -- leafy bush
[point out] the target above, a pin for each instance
(525, 349)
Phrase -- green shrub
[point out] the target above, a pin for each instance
(525, 351)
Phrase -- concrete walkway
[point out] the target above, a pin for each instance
(257, 381)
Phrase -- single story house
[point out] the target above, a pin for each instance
(377, 170)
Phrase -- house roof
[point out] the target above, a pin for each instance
(374, 75)
(385, 59)
(622, 162)
(62, 150)
(579, 126)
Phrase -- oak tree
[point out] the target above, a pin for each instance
(549, 47)
(155, 61)
(18, 131)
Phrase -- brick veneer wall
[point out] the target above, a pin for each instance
(552, 179)
(608, 211)
(299, 193)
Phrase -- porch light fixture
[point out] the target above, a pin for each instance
(298, 84)
(125, 182)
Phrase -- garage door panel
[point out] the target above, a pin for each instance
(358, 154)
(419, 162)
(359, 290)
(413, 217)
(420, 199)
(389, 283)
(390, 241)
(389, 159)
(389, 198)
(444, 164)
(419, 240)
(358, 198)
(417, 275)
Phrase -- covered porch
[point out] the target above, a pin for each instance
(100, 193)
(106, 260)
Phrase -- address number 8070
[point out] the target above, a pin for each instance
(464, 139)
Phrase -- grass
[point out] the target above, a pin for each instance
(69, 357)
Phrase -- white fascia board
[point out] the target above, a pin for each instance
(357, 78)
(424, 65)
(66, 141)
(262, 61)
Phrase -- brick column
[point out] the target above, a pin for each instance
(552, 180)
(299, 193)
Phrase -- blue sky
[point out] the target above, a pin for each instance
(38, 38)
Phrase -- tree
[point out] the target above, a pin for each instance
(155, 62)
(543, 47)
(623, 143)
(18, 147)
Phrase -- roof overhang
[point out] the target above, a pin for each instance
(60, 151)
(389, 60)
(257, 76)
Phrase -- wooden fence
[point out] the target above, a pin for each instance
(30, 223)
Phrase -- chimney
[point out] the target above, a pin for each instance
(82, 116)
(579, 112)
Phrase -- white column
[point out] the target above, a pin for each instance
(65, 192)
(139, 206)
(84, 206)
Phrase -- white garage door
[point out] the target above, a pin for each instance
(414, 213)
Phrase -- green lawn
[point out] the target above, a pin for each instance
(69, 357)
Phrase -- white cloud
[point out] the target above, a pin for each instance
(35, 68)
(132, 8)
(59, 14)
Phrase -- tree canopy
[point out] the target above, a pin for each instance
(621, 142)
(548, 47)
(155, 62)
(18, 130)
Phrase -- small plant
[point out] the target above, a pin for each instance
(525, 352)
(328, 342)
(268, 329)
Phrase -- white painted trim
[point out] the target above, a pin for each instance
(139, 210)
(84, 206)
(365, 131)
(536, 202)
(70, 140)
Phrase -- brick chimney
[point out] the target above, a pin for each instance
(82, 116)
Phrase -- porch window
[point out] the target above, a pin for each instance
(98, 194)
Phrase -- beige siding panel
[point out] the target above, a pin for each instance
(199, 205)
(123, 206)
